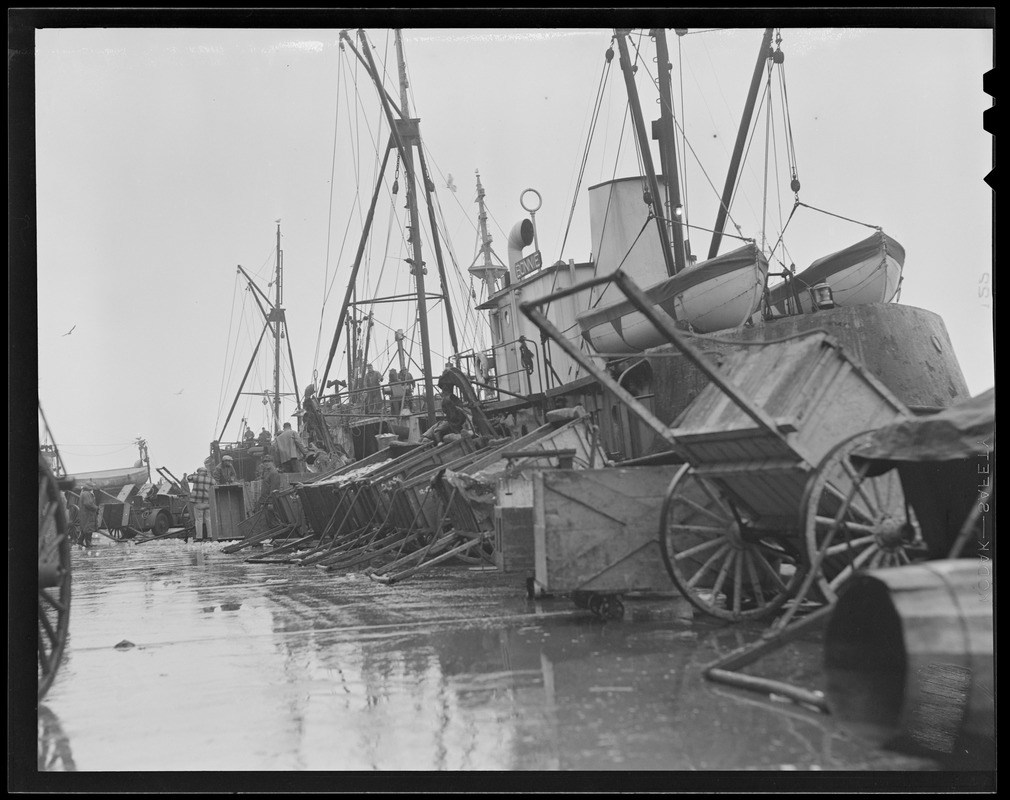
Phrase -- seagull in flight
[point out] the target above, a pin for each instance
(70, 331)
(180, 391)
(449, 183)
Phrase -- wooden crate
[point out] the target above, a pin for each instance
(598, 530)
(228, 511)
(513, 518)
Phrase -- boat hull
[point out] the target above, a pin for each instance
(716, 295)
(866, 272)
(112, 480)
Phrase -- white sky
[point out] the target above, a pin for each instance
(164, 157)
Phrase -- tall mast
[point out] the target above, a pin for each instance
(741, 139)
(277, 315)
(668, 148)
(410, 134)
(488, 271)
(655, 201)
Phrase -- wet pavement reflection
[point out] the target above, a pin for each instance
(182, 657)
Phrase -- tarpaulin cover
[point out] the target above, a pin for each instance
(943, 462)
(962, 431)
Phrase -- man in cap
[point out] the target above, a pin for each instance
(271, 485)
(225, 471)
(200, 483)
(290, 449)
(89, 515)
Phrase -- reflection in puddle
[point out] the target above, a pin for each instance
(54, 746)
(245, 666)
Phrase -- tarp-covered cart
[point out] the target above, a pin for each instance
(766, 474)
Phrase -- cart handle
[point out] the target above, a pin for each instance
(641, 302)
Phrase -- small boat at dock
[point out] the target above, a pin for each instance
(716, 295)
(866, 272)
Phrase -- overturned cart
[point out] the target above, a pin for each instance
(405, 509)
(749, 520)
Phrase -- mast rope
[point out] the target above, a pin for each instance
(594, 119)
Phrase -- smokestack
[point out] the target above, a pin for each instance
(520, 236)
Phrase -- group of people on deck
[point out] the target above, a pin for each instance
(399, 390)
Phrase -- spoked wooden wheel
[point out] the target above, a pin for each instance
(721, 562)
(855, 520)
(54, 577)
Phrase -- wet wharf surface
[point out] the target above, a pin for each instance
(184, 658)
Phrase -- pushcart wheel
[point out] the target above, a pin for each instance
(716, 557)
(116, 532)
(853, 520)
(54, 577)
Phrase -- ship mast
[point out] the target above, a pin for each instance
(276, 323)
(276, 316)
(488, 271)
(653, 196)
(668, 148)
(409, 134)
(741, 140)
(404, 136)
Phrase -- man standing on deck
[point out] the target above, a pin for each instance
(200, 483)
(290, 449)
(407, 380)
(373, 391)
(269, 490)
(225, 472)
(394, 390)
(89, 515)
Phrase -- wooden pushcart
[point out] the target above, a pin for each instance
(751, 518)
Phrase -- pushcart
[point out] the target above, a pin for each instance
(749, 520)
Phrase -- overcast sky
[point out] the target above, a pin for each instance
(166, 156)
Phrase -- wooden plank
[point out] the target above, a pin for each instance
(598, 530)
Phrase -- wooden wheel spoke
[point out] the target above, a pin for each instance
(858, 480)
(722, 519)
(53, 602)
(769, 570)
(755, 581)
(826, 525)
(704, 568)
(738, 583)
(710, 530)
(840, 548)
(47, 626)
(717, 498)
(723, 572)
(698, 548)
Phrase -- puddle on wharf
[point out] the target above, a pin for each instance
(224, 664)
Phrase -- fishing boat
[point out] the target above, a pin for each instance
(712, 296)
(638, 225)
(866, 272)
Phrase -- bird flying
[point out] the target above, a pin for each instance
(449, 183)
(70, 331)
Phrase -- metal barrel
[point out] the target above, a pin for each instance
(909, 660)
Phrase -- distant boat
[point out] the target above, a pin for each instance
(866, 272)
(715, 295)
(111, 481)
